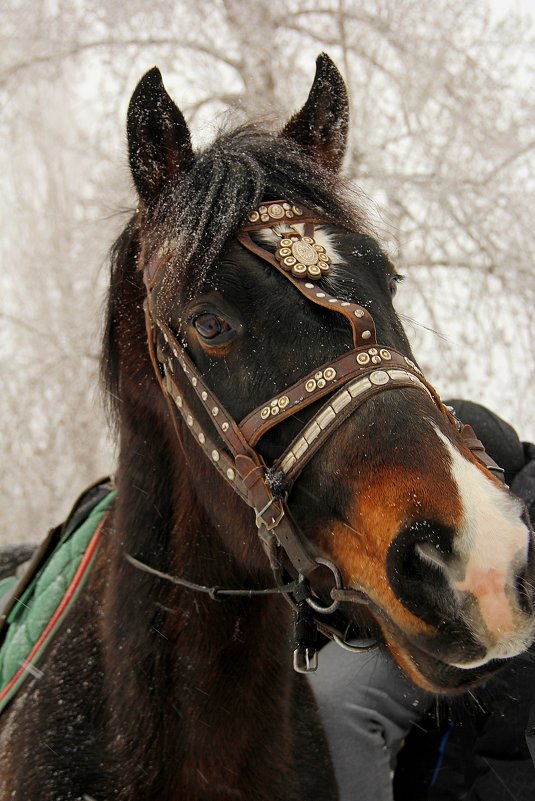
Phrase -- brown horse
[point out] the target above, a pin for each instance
(247, 287)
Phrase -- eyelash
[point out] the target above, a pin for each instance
(393, 281)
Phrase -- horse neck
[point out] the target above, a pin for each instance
(186, 659)
(160, 521)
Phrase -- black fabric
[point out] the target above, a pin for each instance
(499, 438)
(523, 483)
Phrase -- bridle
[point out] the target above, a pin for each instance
(344, 383)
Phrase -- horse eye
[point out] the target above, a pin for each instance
(209, 326)
(393, 281)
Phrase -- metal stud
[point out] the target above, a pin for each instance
(334, 300)
(300, 447)
(373, 351)
(358, 387)
(318, 375)
(385, 354)
(379, 377)
(314, 271)
(358, 313)
(286, 206)
(225, 427)
(264, 217)
(215, 455)
(411, 364)
(299, 270)
(321, 383)
(308, 285)
(274, 410)
(231, 475)
(312, 432)
(202, 438)
(284, 401)
(288, 462)
(345, 303)
(276, 211)
(194, 381)
(189, 420)
(215, 411)
(376, 359)
(329, 373)
(204, 395)
(263, 209)
(366, 335)
(286, 243)
(363, 358)
(341, 401)
(325, 417)
(253, 217)
(274, 402)
(296, 210)
(310, 385)
(285, 252)
(179, 401)
(307, 239)
(264, 414)
(320, 294)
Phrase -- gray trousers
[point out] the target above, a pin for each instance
(367, 705)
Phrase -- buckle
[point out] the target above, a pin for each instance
(274, 520)
(305, 660)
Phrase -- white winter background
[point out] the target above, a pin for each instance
(442, 144)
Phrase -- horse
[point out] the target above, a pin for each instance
(281, 458)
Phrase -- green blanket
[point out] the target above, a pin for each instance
(44, 604)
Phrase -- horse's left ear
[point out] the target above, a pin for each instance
(159, 142)
(322, 124)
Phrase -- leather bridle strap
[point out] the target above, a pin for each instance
(238, 464)
(350, 380)
(360, 320)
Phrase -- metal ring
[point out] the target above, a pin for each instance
(355, 649)
(327, 610)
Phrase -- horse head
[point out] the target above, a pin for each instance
(282, 379)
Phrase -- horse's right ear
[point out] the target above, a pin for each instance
(321, 126)
(159, 142)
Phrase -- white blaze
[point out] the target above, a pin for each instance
(492, 545)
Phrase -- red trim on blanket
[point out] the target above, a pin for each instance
(73, 586)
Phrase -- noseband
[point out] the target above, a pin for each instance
(344, 384)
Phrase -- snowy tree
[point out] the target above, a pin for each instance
(442, 144)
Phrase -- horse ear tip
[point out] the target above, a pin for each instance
(154, 75)
(325, 63)
(151, 81)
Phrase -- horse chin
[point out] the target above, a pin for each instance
(427, 670)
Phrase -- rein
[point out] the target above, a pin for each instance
(345, 383)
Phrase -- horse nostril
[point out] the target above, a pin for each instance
(432, 553)
(420, 568)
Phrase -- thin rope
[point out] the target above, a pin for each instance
(217, 593)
